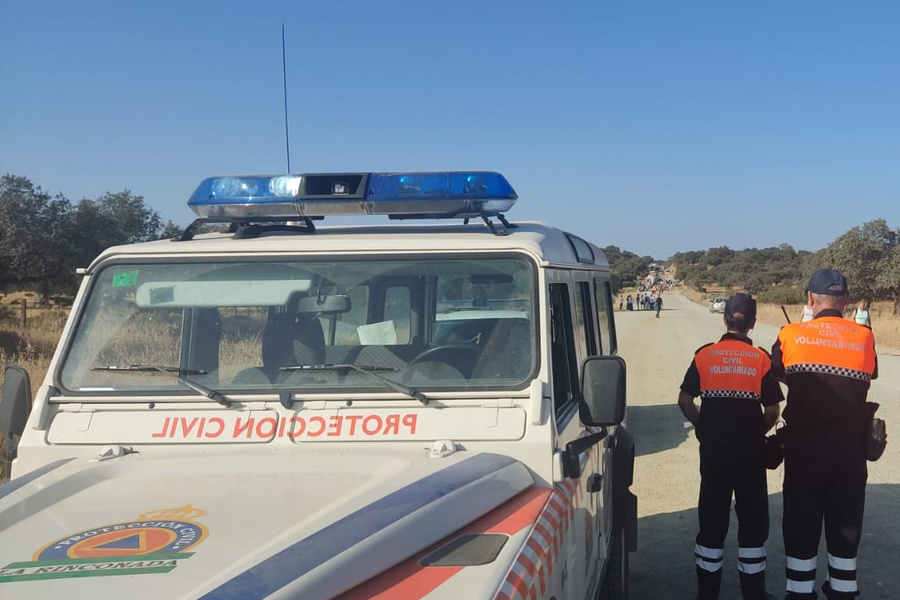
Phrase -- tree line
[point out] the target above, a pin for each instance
(868, 255)
(626, 268)
(44, 238)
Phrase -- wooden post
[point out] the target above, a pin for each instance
(24, 315)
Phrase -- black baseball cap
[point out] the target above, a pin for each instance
(829, 282)
(742, 306)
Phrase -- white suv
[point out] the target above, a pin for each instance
(717, 305)
(285, 410)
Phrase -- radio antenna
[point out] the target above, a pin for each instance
(287, 139)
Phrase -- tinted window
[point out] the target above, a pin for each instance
(562, 350)
(605, 321)
(583, 251)
(584, 320)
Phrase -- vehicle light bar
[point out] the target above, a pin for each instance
(399, 195)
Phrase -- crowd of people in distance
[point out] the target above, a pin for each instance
(641, 301)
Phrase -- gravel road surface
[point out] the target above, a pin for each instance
(667, 480)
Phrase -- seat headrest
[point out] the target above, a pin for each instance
(292, 340)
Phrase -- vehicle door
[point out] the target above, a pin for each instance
(606, 344)
(572, 338)
(589, 342)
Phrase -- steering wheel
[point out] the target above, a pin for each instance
(460, 356)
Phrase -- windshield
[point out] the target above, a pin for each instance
(246, 327)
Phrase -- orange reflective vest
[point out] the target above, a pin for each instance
(731, 369)
(828, 364)
(828, 345)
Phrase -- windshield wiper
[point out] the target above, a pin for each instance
(368, 371)
(175, 373)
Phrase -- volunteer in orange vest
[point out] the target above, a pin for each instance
(739, 399)
(827, 364)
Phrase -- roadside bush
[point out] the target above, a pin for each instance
(782, 295)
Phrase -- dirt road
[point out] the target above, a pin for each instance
(667, 480)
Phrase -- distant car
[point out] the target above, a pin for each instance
(718, 304)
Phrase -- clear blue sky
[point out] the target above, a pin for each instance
(657, 126)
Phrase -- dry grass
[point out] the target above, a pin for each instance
(885, 324)
(30, 347)
(698, 297)
(36, 364)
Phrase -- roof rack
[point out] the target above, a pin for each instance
(251, 227)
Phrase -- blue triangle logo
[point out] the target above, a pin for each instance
(131, 542)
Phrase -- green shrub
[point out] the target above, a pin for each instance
(782, 295)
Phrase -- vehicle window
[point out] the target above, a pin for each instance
(584, 320)
(583, 251)
(562, 351)
(464, 322)
(398, 309)
(605, 322)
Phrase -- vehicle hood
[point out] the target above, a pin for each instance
(265, 525)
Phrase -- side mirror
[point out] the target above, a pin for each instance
(15, 400)
(603, 390)
(602, 405)
(15, 404)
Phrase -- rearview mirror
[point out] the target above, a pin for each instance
(332, 304)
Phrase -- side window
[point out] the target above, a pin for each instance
(584, 320)
(398, 309)
(605, 315)
(562, 350)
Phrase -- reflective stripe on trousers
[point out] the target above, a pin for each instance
(709, 559)
(801, 574)
(842, 574)
(752, 560)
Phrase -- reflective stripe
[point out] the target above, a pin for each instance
(828, 370)
(286, 566)
(730, 394)
(844, 564)
(842, 585)
(712, 567)
(759, 552)
(711, 553)
(752, 568)
(801, 564)
(800, 587)
(11, 486)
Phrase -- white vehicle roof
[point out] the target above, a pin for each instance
(549, 246)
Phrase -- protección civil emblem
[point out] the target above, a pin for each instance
(153, 543)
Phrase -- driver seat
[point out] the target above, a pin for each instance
(292, 340)
(287, 340)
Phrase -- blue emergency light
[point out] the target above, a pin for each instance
(448, 194)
